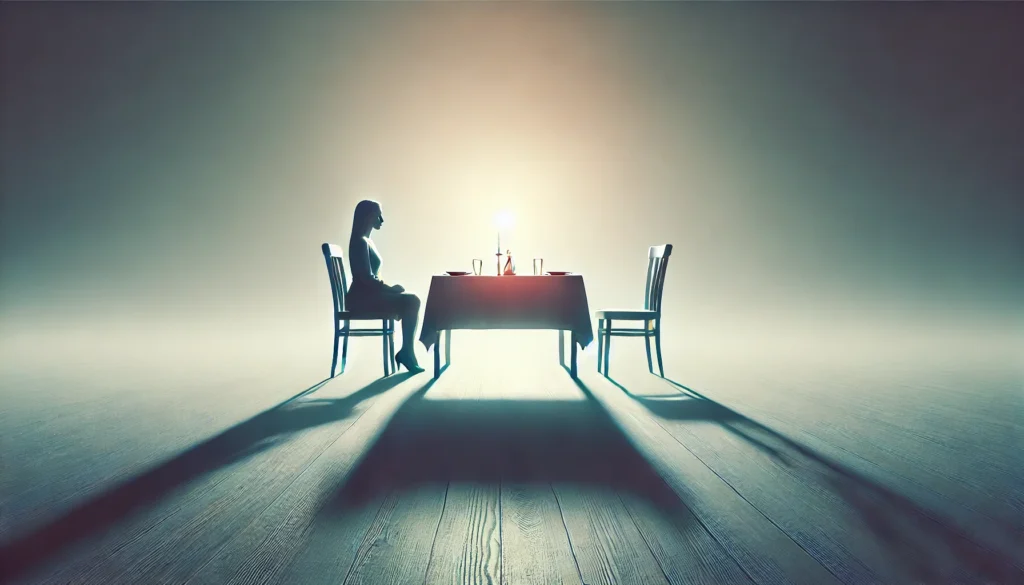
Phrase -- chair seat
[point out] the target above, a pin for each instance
(365, 315)
(627, 314)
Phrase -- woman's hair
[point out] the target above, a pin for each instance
(367, 211)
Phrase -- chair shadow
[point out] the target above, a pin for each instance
(689, 405)
(913, 536)
(243, 440)
(495, 441)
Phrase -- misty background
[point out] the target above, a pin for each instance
(169, 170)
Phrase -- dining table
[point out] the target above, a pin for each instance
(541, 302)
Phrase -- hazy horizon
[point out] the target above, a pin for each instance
(815, 165)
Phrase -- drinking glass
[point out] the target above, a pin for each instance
(538, 266)
(478, 266)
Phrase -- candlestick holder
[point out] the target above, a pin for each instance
(502, 222)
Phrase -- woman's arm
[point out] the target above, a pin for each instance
(359, 251)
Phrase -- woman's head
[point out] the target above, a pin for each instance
(368, 217)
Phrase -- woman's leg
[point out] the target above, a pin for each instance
(409, 313)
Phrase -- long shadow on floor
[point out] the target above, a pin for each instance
(261, 432)
(494, 441)
(918, 539)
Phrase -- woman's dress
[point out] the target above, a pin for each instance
(369, 293)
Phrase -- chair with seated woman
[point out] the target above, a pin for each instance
(370, 294)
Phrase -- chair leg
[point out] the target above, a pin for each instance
(657, 343)
(391, 346)
(607, 344)
(647, 342)
(600, 343)
(344, 348)
(384, 350)
(334, 355)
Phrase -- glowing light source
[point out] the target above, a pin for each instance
(504, 220)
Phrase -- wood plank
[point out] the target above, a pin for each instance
(476, 434)
(608, 547)
(467, 548)
(561, 437)
(397, 547)
(931, 525)
(233, 477)
(96, 433)
(535, 547)
(916, 419)
(933, 479)
(267, 545)
(327, 549)
(922, 434)
(760, 548)
(683, 547)
(793, 493)
(178, 549)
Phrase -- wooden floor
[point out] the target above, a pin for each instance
(791, 471)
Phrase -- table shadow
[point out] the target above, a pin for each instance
(502, 441)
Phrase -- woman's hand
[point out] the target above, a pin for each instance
(397, 288)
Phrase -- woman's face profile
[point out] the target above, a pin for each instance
(379, 220)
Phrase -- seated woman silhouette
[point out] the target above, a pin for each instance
(369, 293)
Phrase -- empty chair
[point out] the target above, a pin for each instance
(650, 316)
(344, 317)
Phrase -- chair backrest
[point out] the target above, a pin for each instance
(657, 265)
(336, 271)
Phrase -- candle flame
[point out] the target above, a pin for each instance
(503, 220)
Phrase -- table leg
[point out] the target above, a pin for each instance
(572, 356)
(437, 356)
(447, 347)
(561, 347)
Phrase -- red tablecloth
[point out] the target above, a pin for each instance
(507, 302)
